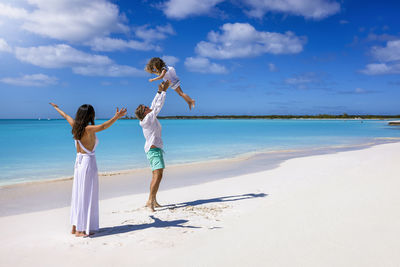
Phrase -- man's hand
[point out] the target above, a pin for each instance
(163, 86)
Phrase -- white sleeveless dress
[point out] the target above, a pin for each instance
(85, 191)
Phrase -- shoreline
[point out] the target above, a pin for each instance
(242, 156)
(44, 195)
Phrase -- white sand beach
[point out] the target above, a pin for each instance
(339, 209)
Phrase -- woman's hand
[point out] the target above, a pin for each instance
(150, 80)
(54, 105)
(120, 113)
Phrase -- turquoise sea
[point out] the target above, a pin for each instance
(44, 149)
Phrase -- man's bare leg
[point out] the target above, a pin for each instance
(154, 185)
(73, 231)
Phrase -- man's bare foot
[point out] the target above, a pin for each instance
(150, 205)
(157, 205)
(73, 231)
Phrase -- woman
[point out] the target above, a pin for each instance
(85, 189)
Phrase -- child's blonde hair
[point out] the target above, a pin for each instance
(155, 64)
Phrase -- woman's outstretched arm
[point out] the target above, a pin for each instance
(105, 125)
(65, 115)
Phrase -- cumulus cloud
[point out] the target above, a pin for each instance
(107, 44)
(147, 35)
(179, 9)
(12, 12)
(240, 40)
(62, 56)
(58, 56)
(314, 9)
(311, 9)
(170, 60)
(389, 53)
(381, 68)
(388, 57)
(112, 70)
(73, 21)
(4, 47)
(203, 65)
(151, 34)
(31, 80)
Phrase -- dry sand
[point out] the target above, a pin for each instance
(338, 209)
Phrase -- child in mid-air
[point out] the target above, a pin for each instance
(157, 66)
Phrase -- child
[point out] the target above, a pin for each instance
(85, 188)
(157, 66)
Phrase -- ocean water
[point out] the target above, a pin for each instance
(38, 150)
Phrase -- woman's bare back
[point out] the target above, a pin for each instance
(88, 140)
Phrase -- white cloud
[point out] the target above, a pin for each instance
(272, 67)
(312, 9)
(4, 47)
(179, 9)
(389, 53)
(74, 21)
(12, 12)
(62, 56)
(67, 20)
(112, 44)
(388, 57)
(31, 80)
(158, 33)
(203, 65)
(381, 68)
(240, 40)
(170, 60)
(108, 71)
(58, 56)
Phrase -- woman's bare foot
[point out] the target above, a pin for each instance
(83, 234)
(80, 234)
(73, 231)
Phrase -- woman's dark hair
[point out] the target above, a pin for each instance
(84, 115)
(155, 63)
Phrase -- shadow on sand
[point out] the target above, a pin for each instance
(175, 223)
(212, 200)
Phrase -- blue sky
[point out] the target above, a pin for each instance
(233, 57)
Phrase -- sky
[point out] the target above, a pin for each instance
(234, 57)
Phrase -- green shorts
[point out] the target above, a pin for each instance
(156, 159)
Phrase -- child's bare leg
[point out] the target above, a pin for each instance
(73, 231)
(187, 98)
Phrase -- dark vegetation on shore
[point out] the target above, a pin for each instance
(320, 116)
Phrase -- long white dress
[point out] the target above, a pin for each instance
(85, 191)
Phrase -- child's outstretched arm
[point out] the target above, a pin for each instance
(105, 125)
(63, 114)
(159, 77)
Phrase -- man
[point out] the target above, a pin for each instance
(154, 144)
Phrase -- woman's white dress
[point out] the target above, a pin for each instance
(85, 191)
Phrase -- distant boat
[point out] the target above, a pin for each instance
(394, 122)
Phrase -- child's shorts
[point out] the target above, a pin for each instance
(156, 158)
(175, 84)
